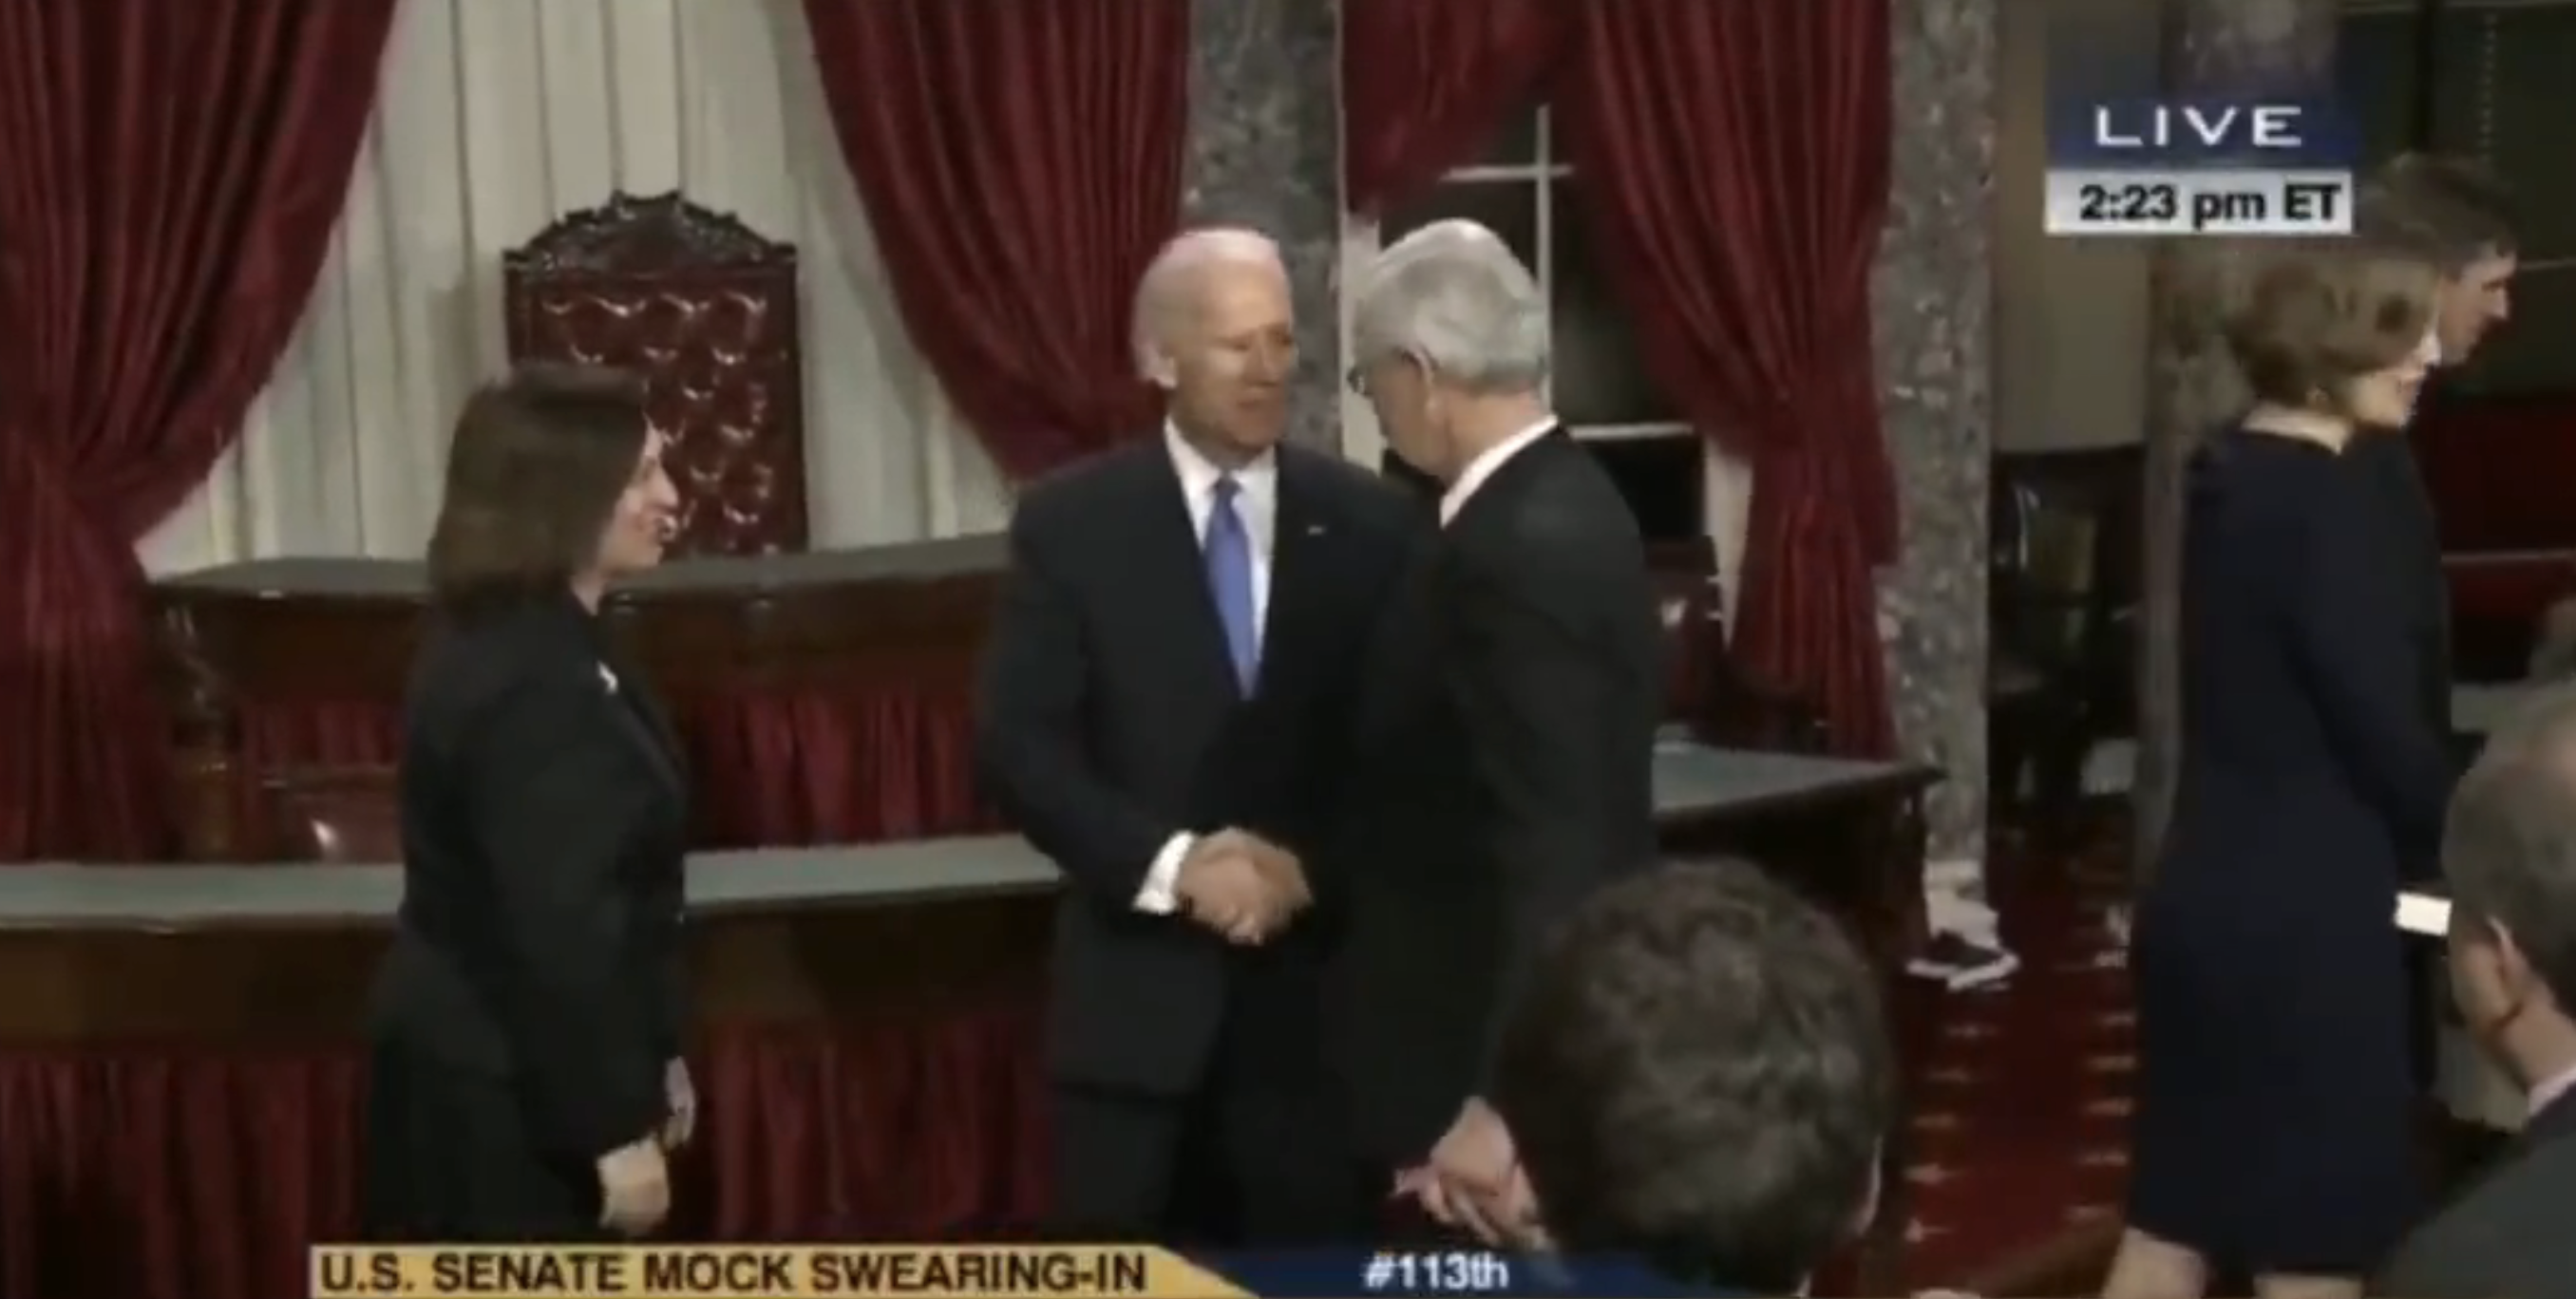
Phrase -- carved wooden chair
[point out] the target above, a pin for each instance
(706, 311)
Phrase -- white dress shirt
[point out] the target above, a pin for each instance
(1256, 502)
(2551, 1089)
(1484, 465)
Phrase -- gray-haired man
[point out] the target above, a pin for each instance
(2509, 859)
(2454, 216)
(1509, 729)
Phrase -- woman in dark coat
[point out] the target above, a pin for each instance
(2275, 1093)
(526, 1078)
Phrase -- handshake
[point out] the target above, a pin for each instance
(1241, 885)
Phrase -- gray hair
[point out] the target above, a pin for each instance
(1164, 292)
(2509, 841)
(1453, 296)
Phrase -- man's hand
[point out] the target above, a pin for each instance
(1241, 885)
(1474, 1181)
(1285, 874)
(1510, 1220)
(634, 1188)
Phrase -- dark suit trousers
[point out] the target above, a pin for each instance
(1254, 1157)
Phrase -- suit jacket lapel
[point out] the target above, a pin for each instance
(624, 690)
(1171, 557)
(641, 716)
(1299, 546)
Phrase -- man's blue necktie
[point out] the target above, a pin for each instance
(1229, 572)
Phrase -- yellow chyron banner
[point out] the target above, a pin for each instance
(758, 1272)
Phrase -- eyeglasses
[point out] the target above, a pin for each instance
(1356, 378)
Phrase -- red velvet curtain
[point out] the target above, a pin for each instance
(1020, 163)
(182, 1172)
(1734, 164)
(1424, 82)
(169, 178)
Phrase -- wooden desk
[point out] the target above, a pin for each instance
(286, 663)
(823, 697)
(104, 952)
(346, 627)
(161, 1014)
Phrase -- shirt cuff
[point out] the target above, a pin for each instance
(1160, 894)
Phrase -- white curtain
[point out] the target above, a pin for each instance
(494, 118)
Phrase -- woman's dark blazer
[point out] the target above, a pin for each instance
(543, 824)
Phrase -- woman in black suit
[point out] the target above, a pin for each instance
(526, 1079)
(2273, 1130)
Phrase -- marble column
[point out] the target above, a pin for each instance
(2212, 47)
(1933, 294)
(1266, 152)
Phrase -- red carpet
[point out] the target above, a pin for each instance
(2020, 1124)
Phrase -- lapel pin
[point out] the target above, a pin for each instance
(1314, 529)
(608, 678)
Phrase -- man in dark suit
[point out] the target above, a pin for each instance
(2453, 215)
(1423, 488)
(1165, 711)
(1509, 732)
(2509, 857)
(1698, 1076)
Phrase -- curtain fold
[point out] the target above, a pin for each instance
(168, 184)
(1735, 166)
(495, 117)
(1020, 166)
(1424, 82)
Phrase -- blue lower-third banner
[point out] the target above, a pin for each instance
(1345, 1274)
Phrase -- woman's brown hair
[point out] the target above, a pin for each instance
(2316, 318)
(534, 471)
